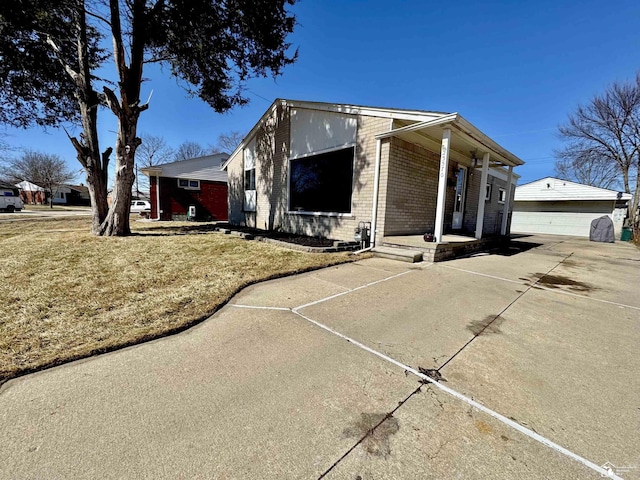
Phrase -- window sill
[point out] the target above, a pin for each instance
(321, 214)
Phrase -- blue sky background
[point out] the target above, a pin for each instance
(514, 69)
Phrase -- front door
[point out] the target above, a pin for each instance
(458, 208)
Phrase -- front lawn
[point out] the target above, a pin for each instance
(66, 294)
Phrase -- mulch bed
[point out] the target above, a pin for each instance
(303, 240)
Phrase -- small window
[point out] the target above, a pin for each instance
(250, 179)
(189, 184)
(487, 195)
(503, 195)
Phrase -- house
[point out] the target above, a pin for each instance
(321, 169)
(71, 195)
(197, 182)
(32, 194)
(554, 206)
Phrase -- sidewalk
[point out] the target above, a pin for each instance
(270, 388)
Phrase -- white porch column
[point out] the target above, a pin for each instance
(442, 183)
(482, 195)
(507, 203)
(376, 188)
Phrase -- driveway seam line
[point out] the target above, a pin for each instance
(331, 297)
(478, 406)
(541, 287)
(529, 287)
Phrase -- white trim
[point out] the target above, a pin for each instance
(158, 195)
(320, 214)
(507, 203)
(443, 173)
(499, 173)
(326, 150)
(419, 126)
(482, 195)
(502, 193)
(376, 188)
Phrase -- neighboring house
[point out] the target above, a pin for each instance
(320, 169)
(197, 182)
(32, 194)
(71, 195)
(561, 207)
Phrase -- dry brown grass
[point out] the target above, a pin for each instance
(66, 294)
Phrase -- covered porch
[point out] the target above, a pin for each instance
(465, 151)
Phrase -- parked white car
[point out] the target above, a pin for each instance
(140, 206)
(10, 203)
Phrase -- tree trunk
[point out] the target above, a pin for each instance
(117, 220)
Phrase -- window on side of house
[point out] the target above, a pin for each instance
(487, 195)
(189, 184)
(249, 178)
(503, 195)
(322, 183)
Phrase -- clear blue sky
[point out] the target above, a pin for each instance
(514, 69)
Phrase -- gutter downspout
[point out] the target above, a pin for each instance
(376, 186)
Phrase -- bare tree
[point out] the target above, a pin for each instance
(588, 168)
(188, 150)
(46, 170)
(153, 150)
(228, 142)
(608, 129)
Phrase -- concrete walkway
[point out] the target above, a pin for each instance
(310, 377)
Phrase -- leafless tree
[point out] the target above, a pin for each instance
(588, 168)
(188, 150)
(606, 131)
(46, 170)
(153, 150)
(228, 142)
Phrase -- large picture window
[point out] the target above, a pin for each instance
(322, 183)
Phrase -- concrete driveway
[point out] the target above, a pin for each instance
(313, 376)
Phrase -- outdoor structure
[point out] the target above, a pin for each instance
(71, 195)
(321, 169)
(196, 182)
(561, 207)
(32, 194)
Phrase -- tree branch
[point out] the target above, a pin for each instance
(58, 53)
(95, 15)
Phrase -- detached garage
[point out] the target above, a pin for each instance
(561, 207)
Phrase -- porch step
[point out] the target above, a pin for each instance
(400, 254)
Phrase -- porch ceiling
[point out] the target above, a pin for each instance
(466, 141)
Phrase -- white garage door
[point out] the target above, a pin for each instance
(538, 217)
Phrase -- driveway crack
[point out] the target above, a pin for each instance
(370, 432)
(499, 315)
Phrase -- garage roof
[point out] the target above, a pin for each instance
(551, 189)
(199, 168)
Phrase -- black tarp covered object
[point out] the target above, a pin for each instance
(602, 230)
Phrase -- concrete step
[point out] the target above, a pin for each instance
(400, 254)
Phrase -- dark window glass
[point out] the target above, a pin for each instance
(250, 179)
(194, 183)
(183, 183)
(322, 183)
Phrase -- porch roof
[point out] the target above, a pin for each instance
(467, 141)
